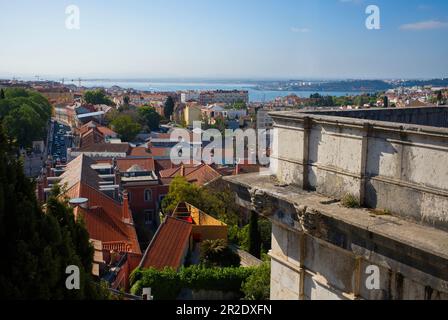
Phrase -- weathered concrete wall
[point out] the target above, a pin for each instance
(321, 250)
(391, 166)
(328, 273)
(425, 116)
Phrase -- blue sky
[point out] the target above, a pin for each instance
(225, 39)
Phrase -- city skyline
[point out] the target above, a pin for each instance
(229, 40)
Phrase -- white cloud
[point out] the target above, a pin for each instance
(300, 30)
(424, 25)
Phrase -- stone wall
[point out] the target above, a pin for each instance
(425, 116)
(322, 250)
(395, 167)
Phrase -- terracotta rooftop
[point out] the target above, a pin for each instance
(107, 147)
(163, 164)
(106, 131)
(198, 174)
(139, 152)
(146, 164)
(79, 170)
(90, 137)
(104, 215)
(160, 152)
(168, 246)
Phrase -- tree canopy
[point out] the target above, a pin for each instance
(126, 127)
(97, 97)
(24, 115)
(215, 202)
(149, 118)
(216, 253)
(168, 107)
(38, 246)
(257, 285)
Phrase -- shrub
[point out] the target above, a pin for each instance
(257, 285)
(350, 201)
(167, 284)
(216, 253)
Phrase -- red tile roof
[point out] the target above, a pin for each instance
(107, 132)
(198, 174)
(169, 245)
(90, 137)
(107, 147)
(104, 221)
(139, 152)
(163, 164)
(146, 164)
(104, 216)
(161, 152)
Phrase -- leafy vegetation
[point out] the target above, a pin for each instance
(126, 127)
(149, 118)
(218, 201)
(257, 285)
(97, 97)
(215, 203)
(350, 201)
(24, 115)
(38, 246)
(166, 284)
(168, 107)
(254, 236)
(216, 253)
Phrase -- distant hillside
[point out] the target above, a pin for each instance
(348, 86)
(433, 82)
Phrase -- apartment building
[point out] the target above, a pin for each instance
(223, 96)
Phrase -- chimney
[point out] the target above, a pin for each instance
(182, 170)
(125, 210)
(48, 168)
(40, 190)
(116, 172)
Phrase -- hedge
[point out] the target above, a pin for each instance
(166, 284)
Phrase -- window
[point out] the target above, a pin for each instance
(161, 197)
(148, 195)
(149, 215)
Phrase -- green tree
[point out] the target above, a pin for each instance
(126, 127)
(38, 246)
(2, 94)
(386, 102)
(24, 115)
(439, 97)
(218, 203)
(149, 118)
(19, 124)
(181, 191)
(257, 285)
(126, 100)
(254, 236)
(216, 253)
(97, 97)
(265, 228)
(168, 107)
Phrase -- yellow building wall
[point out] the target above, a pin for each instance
(209, 232)
(192, 114)
(207, 227)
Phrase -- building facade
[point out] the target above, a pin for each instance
(390, 162)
